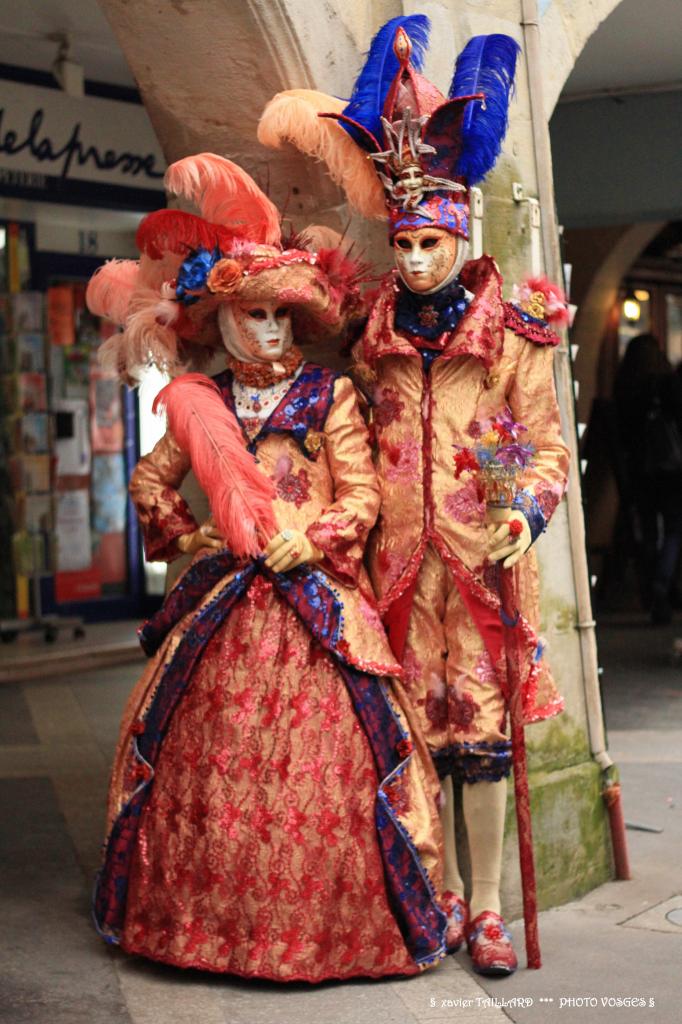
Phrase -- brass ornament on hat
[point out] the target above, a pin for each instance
(402, 45)
(403, 160)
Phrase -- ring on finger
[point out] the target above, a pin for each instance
(287, 534)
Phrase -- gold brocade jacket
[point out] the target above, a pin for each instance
(494, 360)
(315, 449)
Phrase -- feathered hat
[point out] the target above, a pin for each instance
(398, 147)
(167, 301)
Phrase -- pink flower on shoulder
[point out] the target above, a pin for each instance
(464, 505)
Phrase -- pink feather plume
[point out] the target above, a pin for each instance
(110, 289)
(226, 195)
(239, 494)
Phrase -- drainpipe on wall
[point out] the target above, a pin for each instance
(576, 524)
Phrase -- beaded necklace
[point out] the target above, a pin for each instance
(264, 375)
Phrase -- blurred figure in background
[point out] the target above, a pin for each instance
(648, 398)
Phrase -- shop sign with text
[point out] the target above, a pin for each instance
(45, 133)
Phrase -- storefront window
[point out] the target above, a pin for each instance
(68, 440)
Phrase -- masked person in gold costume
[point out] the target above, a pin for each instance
(443, 361)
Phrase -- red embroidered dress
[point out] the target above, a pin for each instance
(269, 814)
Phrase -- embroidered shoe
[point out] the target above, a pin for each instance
(490, 945)
(458, 917)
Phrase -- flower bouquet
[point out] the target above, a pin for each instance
(497, 459)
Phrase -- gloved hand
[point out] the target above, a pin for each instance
(206, 536)
(290, 548)
(508, 543)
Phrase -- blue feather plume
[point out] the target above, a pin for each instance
(381, 66)
(486, 64)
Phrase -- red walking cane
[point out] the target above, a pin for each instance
(510, 616)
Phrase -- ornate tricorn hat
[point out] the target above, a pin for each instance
(425, 150)
(167, 301)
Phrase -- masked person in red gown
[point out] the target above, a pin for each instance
(270, 813)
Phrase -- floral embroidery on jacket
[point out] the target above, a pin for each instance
(548, 499)
(462, 709)
(391, 565)
(291, 486)
(402, 460)
(465, 505)
(388, 406)
(412, 668)
(484, 669)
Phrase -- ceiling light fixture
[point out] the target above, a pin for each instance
(631, 308)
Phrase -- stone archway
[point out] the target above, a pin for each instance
(605, 256)
(566, 27)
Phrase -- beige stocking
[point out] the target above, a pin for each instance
(484, 806)
(452, 879)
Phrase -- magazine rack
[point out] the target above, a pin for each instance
(27, 460)
(49, 624)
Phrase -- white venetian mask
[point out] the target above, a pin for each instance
(258, 332)
(428, 258)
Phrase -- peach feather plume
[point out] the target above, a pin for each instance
(111, 288)
(240, 495)
(292, 116)
(226, 195)
(320, 236)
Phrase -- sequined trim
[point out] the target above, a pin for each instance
(527, 503)
(529, 327)
(474, 762)
(297, 587)
(425, 937)
(302, 411)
